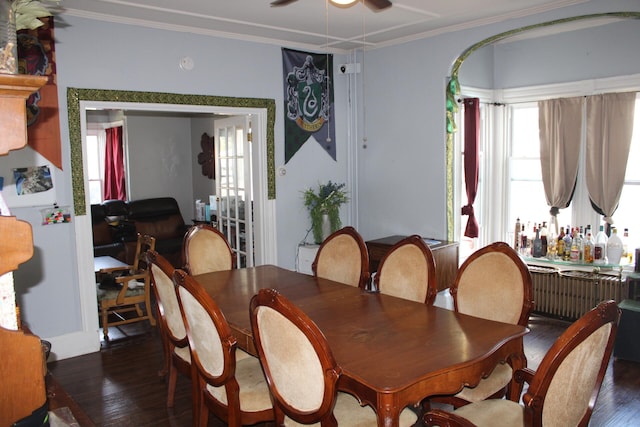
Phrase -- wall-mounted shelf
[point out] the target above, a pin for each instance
(14, 91)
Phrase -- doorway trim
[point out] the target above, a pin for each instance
(78, 100)
(75, 96)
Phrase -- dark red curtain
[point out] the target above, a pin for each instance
(471, 148)
(114, 185)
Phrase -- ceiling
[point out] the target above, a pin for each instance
(311, 24)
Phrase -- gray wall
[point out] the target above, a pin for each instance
(160, 159)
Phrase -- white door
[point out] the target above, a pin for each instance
(234, 186)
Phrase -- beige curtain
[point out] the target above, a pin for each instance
(560, 123)
(609, 131)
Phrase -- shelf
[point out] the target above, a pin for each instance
(568, 265)
(14, 91)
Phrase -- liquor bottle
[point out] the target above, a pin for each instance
(567, 245)
(552, 242)
(574, 254)
(581, 242)
(587, 250)
(614, 247)
(543, 237)
(625, 246)
(516, 237)
(560, 245)
(600, 247)
(537, 244)
(523, 241)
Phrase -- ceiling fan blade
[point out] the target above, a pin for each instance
(377, 5)
(276, 3)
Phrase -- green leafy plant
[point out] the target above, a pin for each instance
(326, 200)
(29, 12)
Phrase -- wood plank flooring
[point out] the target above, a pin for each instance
(120, 386)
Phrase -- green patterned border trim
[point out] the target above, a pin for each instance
(75, 96)
(453, 89)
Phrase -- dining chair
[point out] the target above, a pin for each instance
(343, 257)
(492, 283)
(408, 271)
(129, 291)
(304, 385)
(205, 250)
(564, 389)
(177, 357)
(232, 388)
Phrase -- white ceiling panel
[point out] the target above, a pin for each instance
(312, 24)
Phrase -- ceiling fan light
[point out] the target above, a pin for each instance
(343, 3)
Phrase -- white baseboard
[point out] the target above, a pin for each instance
(72, 345)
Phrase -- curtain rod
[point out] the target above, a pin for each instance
(499, 104)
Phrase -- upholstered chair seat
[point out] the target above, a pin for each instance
(254, 392)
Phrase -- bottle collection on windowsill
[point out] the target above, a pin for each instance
(573, 245)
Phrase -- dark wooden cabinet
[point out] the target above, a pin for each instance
(445, 255)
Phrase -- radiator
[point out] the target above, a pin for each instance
(570, 294)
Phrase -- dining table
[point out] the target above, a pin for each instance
(393, 352)
(102, 263)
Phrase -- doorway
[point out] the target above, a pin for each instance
(262, 112)
(234, 186)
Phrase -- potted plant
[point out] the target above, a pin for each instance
(324, 208)
(18, 15)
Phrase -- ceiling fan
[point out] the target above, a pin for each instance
(375, 5)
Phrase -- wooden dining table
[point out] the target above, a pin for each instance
(393, 352)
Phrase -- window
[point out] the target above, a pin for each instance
(95, 164)
(510, 177)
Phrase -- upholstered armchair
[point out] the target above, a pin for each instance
(205, 249)
(304, 386)
(177, 356)
(408, 271)
(564, 389)
(493, 283)
(233, 388)
(343, 257)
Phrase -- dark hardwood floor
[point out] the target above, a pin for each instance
(120, 386)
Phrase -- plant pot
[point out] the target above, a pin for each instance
(326, 226)
(8, 39)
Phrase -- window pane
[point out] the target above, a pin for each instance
(526, 170)
(528, 202)
(93, 157)
(95, 192)
(525, 132)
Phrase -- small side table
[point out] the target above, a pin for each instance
(627, 345)
(306, 256)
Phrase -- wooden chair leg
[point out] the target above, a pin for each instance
(105, 323)
(148, 307)
(203, 413)
(171, 386)
(166, 349)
